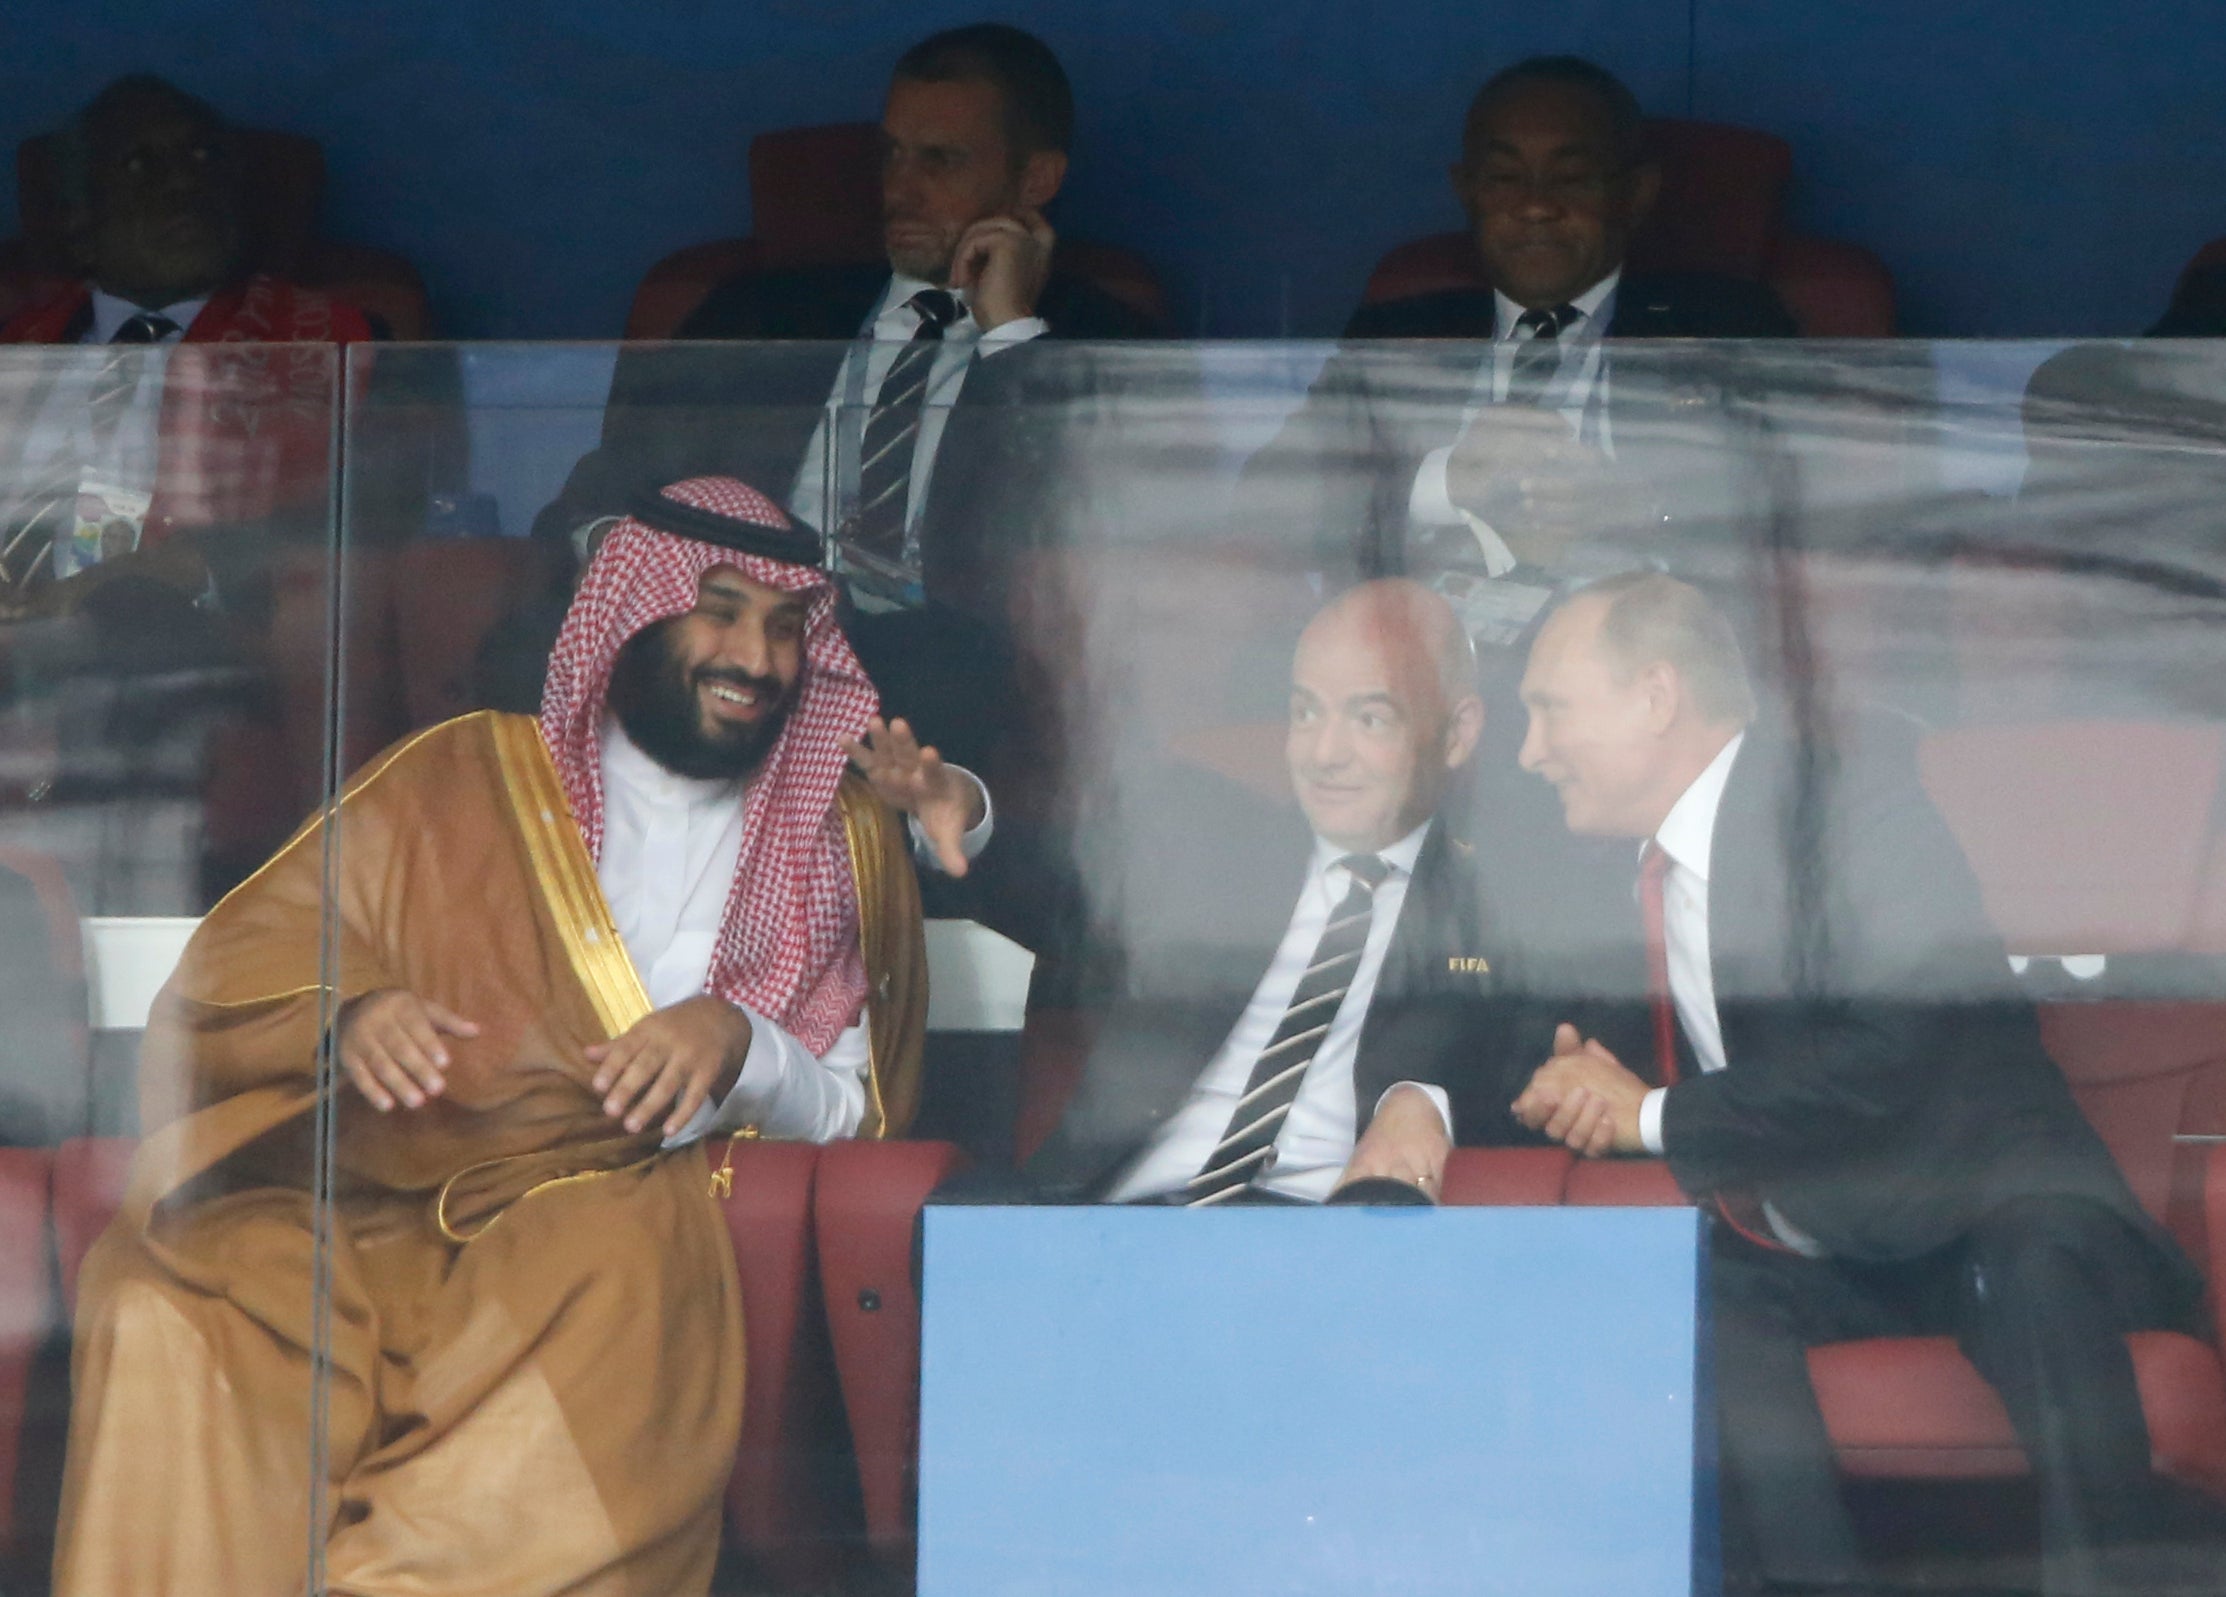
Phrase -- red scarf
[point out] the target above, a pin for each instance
(788, 946)
(246, 425)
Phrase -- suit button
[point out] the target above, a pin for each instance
(868, 1299)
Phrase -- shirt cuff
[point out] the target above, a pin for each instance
(763, 1065)
(1436, 1095)
(973, 842)
(1650, 1120)
(1429, 500)
(1017, 331)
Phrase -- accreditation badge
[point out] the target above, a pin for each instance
(108, 522)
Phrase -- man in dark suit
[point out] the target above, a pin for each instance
(1262, 1050)
(1834, 1060)
(1491, 467)
(895, 412)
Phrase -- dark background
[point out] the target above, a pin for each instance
(2023, 169)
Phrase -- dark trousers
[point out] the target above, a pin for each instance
(2038, 1295)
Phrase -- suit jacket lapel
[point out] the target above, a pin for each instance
(1750, 924)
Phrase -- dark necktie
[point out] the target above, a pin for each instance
(1538, 357)
(25, 555)
(1246, 1149)
(1654, 867)
(893, 430)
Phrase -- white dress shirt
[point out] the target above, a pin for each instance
(670, 844)
(1317, 1137)
(62, 430)
(884, 335)
(1688, 836)
(1578, 390)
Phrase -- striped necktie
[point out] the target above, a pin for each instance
(1247, 1150)
(1538, 357)
(26, 547)
(893, 430)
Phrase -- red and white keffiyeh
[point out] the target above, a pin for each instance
(788, 947)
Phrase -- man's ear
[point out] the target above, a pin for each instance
(1462, 729)
(1040, 177)
(1665, 695)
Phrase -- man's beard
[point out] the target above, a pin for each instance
(657, 707)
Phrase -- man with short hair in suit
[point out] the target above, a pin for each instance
(1263, 1049)
(929, 473)
(1491, 471)
(1837, 1065)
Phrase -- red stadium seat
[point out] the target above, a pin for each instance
(1915, 1408)
(789, 1406)
(1507, 1177)
(283, 184)
(2088, 837)
(815, 200)
(448, 593)
(26, 1315)
(89, 1177)
(1721, 211)
(869, 1200)
(2211, 254)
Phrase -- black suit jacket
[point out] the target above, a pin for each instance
(1885, 1085)
(1208, 908)
(1337, 478)
(692, 408)
(1647, 305)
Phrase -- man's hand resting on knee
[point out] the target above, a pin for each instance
(1406, 1141)
(391, 1048)
(680, 1057)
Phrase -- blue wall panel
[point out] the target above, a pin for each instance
(2022, 169)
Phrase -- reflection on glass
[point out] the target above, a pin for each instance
(1785, 776)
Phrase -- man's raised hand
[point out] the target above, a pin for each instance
(678, 1058)
(390, 1045)
(1004, 262)
(915, 781)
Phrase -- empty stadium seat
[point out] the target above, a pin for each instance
(776, 1506)
(282, 182)
(815, 200)
(1721, 211)
(1507, 1177)
(2088, 836)
(869, 1198)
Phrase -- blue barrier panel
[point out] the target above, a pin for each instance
(1297, 1401)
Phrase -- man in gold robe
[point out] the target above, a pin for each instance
(550, 958)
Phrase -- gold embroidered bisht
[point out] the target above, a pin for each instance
(536, 1339)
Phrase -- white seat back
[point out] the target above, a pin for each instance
(977, 979)
(127, 959)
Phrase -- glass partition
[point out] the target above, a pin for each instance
(168, 594)
(1787, 772)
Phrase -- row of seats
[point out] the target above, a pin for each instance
(2091, 839)
(815, 200)
(823, 1244)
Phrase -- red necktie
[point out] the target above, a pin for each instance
(1654, 865)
